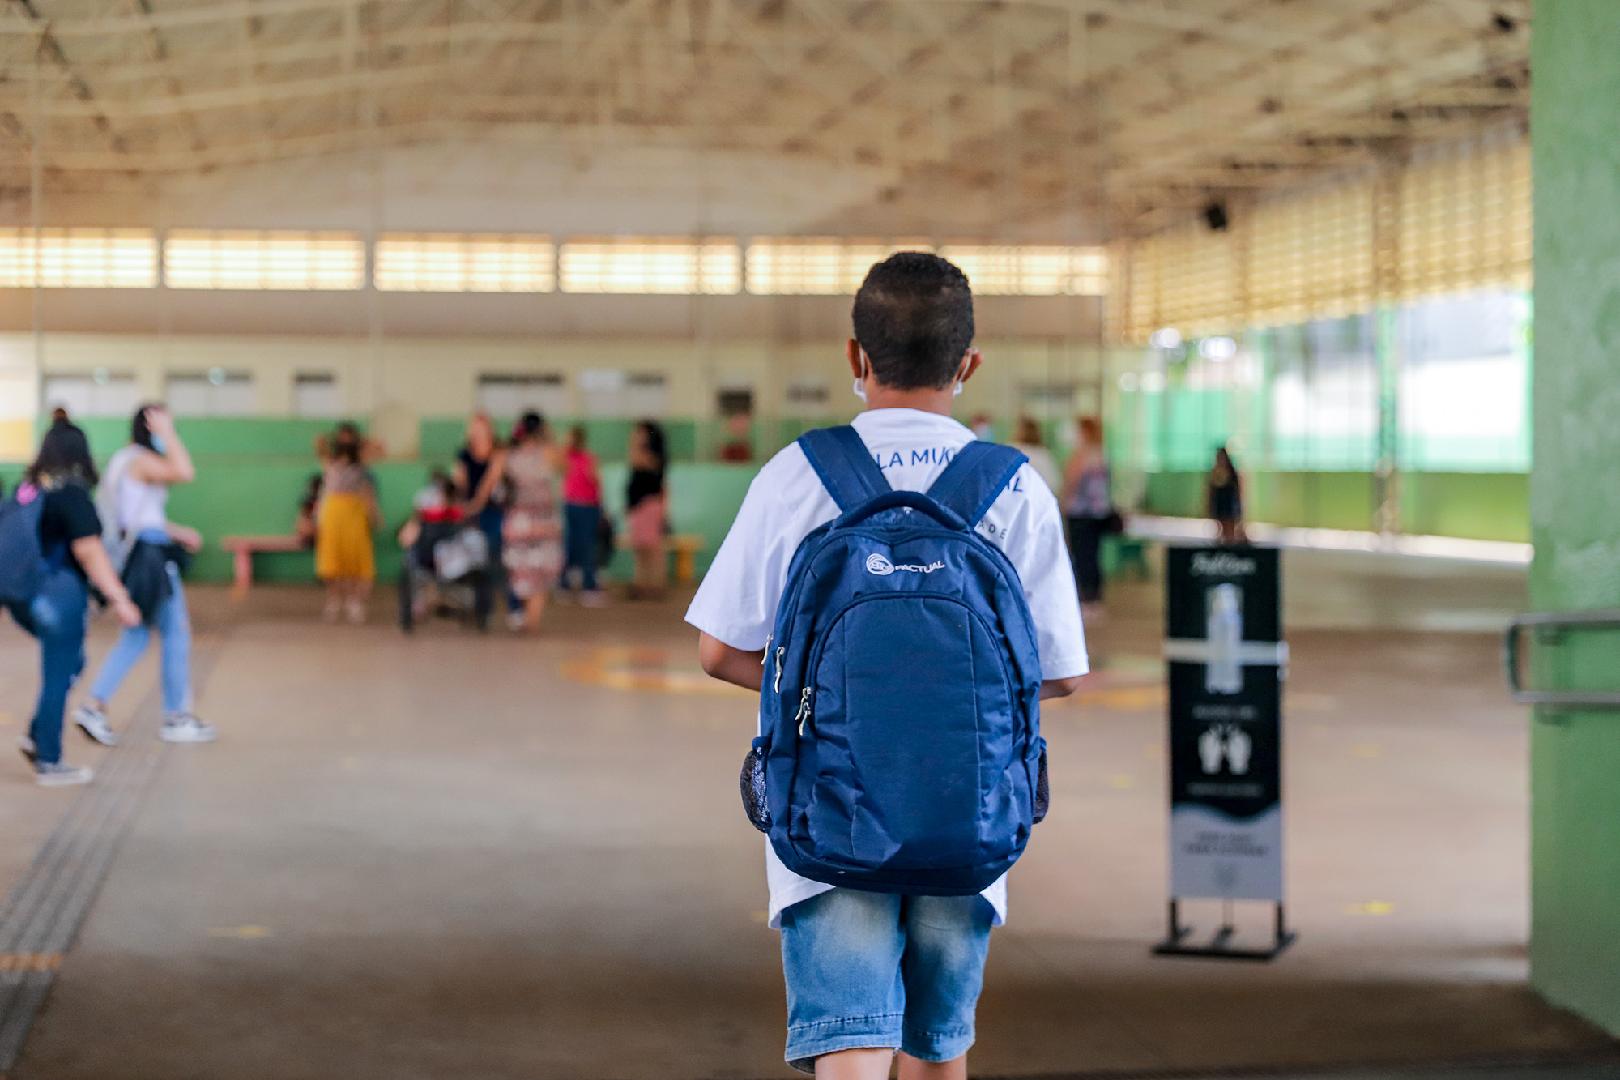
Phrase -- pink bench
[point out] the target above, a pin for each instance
(243, 548)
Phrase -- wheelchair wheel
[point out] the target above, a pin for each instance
(407, 599)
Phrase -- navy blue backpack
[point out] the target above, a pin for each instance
(22, 561)
(900, 748)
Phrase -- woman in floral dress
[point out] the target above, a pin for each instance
(532, 545)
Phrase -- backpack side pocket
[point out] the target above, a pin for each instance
(1043, 792)
(751, 782)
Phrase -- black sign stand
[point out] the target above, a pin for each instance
(1226, 660)
(1220, 946)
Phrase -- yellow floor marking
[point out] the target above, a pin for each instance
(1372, 907)
(30, 961)
(1120, 698)
(240, 933)
(1121, 781)
(1367, 750)
(641, 668)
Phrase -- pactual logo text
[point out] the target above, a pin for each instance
(882, 567)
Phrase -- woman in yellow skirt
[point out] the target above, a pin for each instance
(344, 558)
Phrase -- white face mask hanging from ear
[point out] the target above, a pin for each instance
(859, 385)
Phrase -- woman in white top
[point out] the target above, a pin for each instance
(135, 495)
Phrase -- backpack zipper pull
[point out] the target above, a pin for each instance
(803, 715)
(776, 684)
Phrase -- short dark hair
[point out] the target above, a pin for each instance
(64, 455)
(914, 318)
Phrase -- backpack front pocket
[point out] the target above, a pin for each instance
(910, 726)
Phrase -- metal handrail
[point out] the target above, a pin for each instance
(1553, 624)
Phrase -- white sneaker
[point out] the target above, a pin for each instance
(186, 728)
(595, 598)
(356, 610)
(93, 722)
(515, 621)
(61, 774)
(331, 611)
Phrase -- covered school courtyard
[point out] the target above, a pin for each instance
(1368, 248)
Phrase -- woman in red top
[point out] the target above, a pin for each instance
(582, 515)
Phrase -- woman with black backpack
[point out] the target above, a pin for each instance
(54, 501)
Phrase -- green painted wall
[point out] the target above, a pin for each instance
(1575, 502)
(262, 497)
(1478, 506)
(259, 496)
(439, 437)
(217, 436)
(251, 471)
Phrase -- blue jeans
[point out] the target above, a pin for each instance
(174, 627)
(492, 522)
(56, 617)
(580, 524)
(871, 970)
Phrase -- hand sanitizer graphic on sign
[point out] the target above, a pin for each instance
(1224, 673)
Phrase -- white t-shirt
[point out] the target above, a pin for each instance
(738, 598)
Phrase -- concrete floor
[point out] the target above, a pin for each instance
(502, 858)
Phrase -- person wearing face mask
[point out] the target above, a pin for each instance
(151, 552)
(869, 973)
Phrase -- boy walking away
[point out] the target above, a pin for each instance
(900, 593)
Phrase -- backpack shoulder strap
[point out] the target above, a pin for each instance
(844, 466)
(975, 477)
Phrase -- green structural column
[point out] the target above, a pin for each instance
(1575, 501)
(1386, 469)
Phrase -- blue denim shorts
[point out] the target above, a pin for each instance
(869, 970)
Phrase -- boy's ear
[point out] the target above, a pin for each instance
(857, 366)
(972, 360)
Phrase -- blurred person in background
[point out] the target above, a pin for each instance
(344, 555)
(66, 536)
(477, 474)
(739, 445)
(308, 503)
(1226, 499)
(532, 531)
(151, 552)
(1088, 507)
(646, 515)
(1029, 441)
(582, 515)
